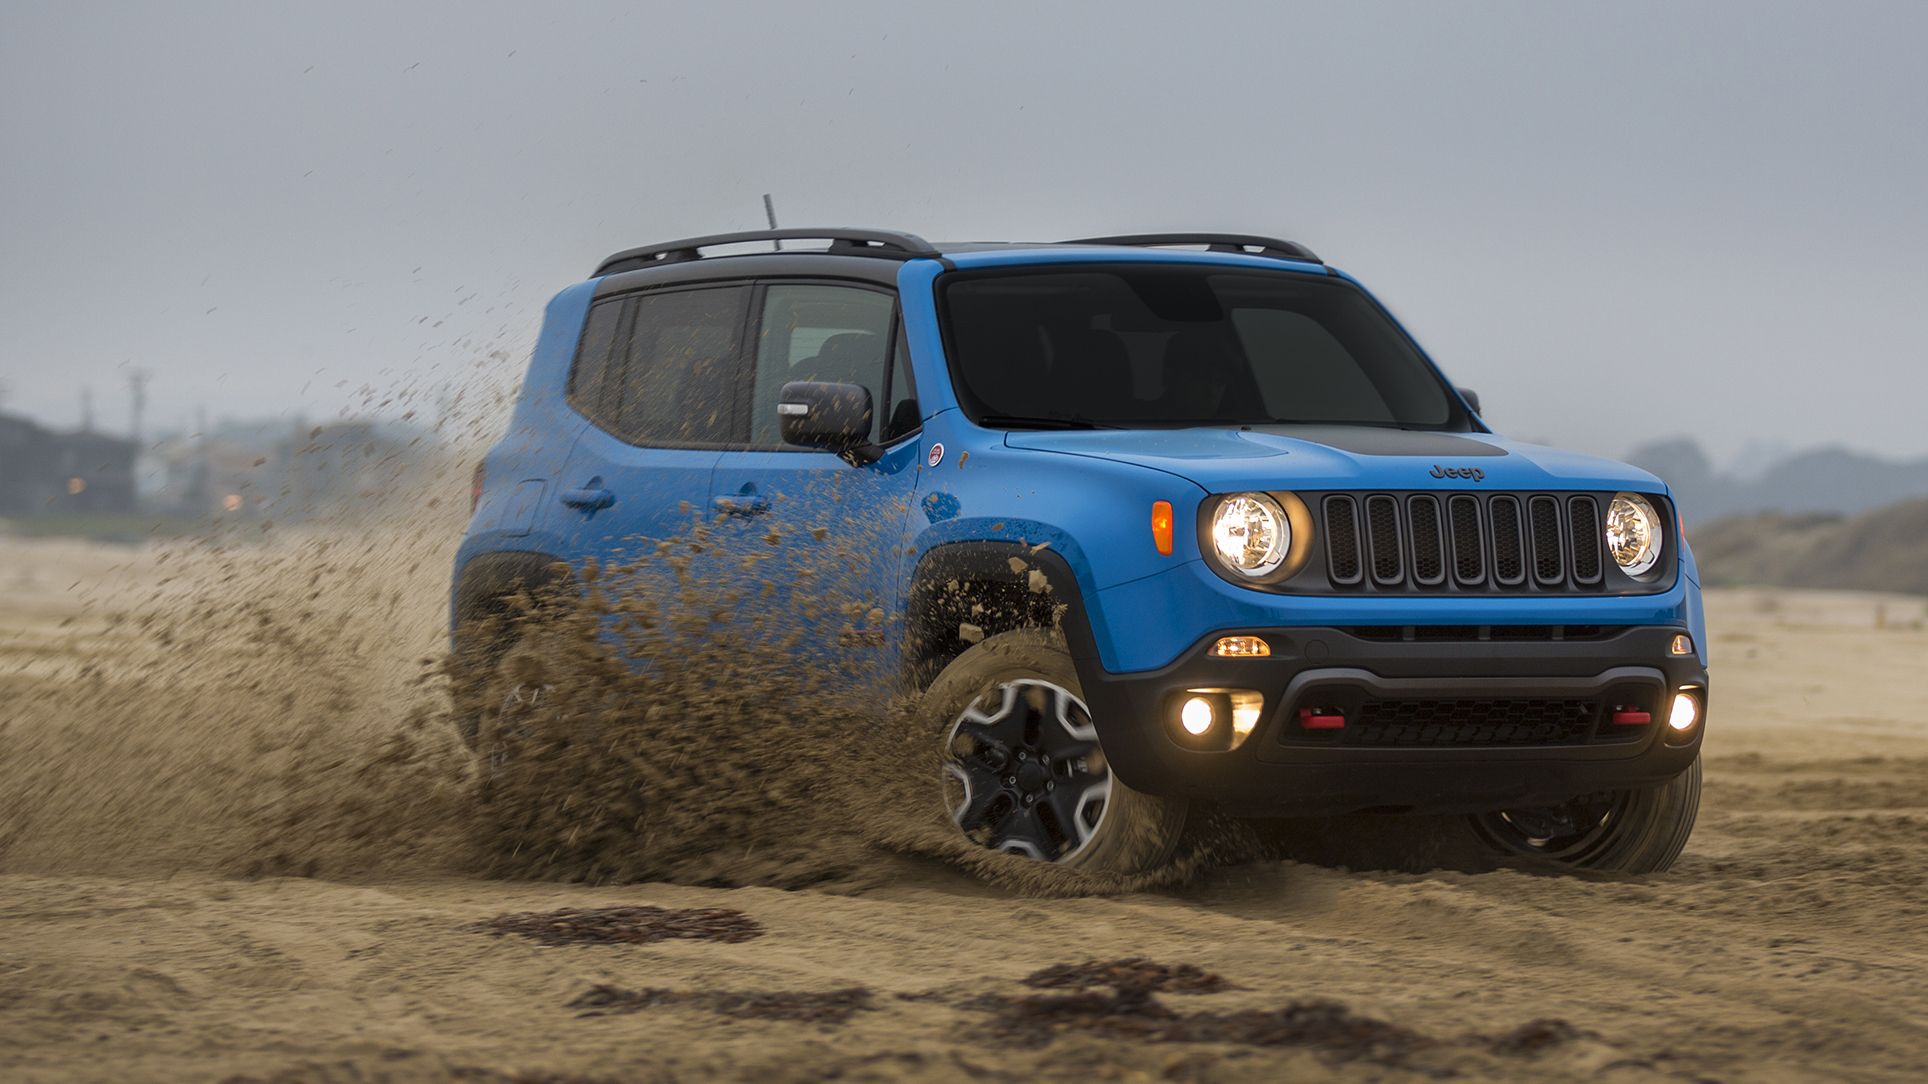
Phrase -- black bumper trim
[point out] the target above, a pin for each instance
(1266, 775)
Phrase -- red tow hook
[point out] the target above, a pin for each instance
(1624, 716)
(1321, 719)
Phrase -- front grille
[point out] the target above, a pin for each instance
(1428, 543)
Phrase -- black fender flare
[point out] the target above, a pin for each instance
(992, 562)
(487, 580)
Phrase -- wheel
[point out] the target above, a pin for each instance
(498, 655)
(482, 692)
(1626, 831)
(492, 714)
(1021, 766)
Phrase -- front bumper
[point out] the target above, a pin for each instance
(1283, 769)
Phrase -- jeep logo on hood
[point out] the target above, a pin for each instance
(1472, 473)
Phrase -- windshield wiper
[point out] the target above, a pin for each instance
(1007, 421)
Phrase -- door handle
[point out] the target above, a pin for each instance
(741, 504)
(590, 497)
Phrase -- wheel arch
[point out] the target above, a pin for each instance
(997, 575)
(486, 583)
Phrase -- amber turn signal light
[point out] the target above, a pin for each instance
(1240, 647)
(1161, 527)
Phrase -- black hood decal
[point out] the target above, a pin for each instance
(1373, 440)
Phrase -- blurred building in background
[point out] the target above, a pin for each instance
(246, 470)
(280, 470)
(45, 471)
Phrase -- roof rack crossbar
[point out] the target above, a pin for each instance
(890, 244)
(1213, 242)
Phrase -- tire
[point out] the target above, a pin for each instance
(492, 658)
(1626, 832)
(1021, 766)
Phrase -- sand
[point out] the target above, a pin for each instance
(233, 845)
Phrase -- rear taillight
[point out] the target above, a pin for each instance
(475, 486)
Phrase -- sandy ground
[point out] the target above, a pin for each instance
(240, 867)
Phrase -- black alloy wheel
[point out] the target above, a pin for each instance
(1024, 772)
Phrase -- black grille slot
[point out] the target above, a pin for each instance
(1584, 528)
(1469, 559)
(1553, 717)
(1548, 565)
(1429, 545)
(1509, 550)
(1473, 722)
(1342, 540)
(1382, 531)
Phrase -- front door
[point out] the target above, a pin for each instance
(826, 538)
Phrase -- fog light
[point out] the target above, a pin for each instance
(1685, 714)
(1240, 647)
(1683, 645)
(1214, 720)
(1196, 716)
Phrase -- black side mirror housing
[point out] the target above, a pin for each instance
(1471, 397)
(834, 417)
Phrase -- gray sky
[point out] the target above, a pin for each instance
(1617, 221)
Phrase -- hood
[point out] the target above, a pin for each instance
(1342, 457)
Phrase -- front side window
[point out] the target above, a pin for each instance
(832, 334)
(679, 380)
(1176, 345)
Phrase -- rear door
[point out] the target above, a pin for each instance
(829, 537)
(658, 378)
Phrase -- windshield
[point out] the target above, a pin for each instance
(1176, 345)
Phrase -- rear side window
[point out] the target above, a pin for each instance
(594, 383)
(679, 380)
(833, 334)
(660, 369)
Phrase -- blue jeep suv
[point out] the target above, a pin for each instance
(1152, 523)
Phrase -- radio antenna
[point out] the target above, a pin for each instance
(770, 212)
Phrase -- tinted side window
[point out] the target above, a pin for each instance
(679, 378)
(593, 383)
(835, 334)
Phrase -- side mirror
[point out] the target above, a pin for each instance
(834, 417)
(1471, 397)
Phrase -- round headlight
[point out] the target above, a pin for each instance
(1633, 533)
(1250, 534)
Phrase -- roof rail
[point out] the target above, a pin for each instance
(1213, 242)
(890, 244)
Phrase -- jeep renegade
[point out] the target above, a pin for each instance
(1156, 522)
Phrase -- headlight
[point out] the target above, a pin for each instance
(1633, 533)
(1251, 534)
